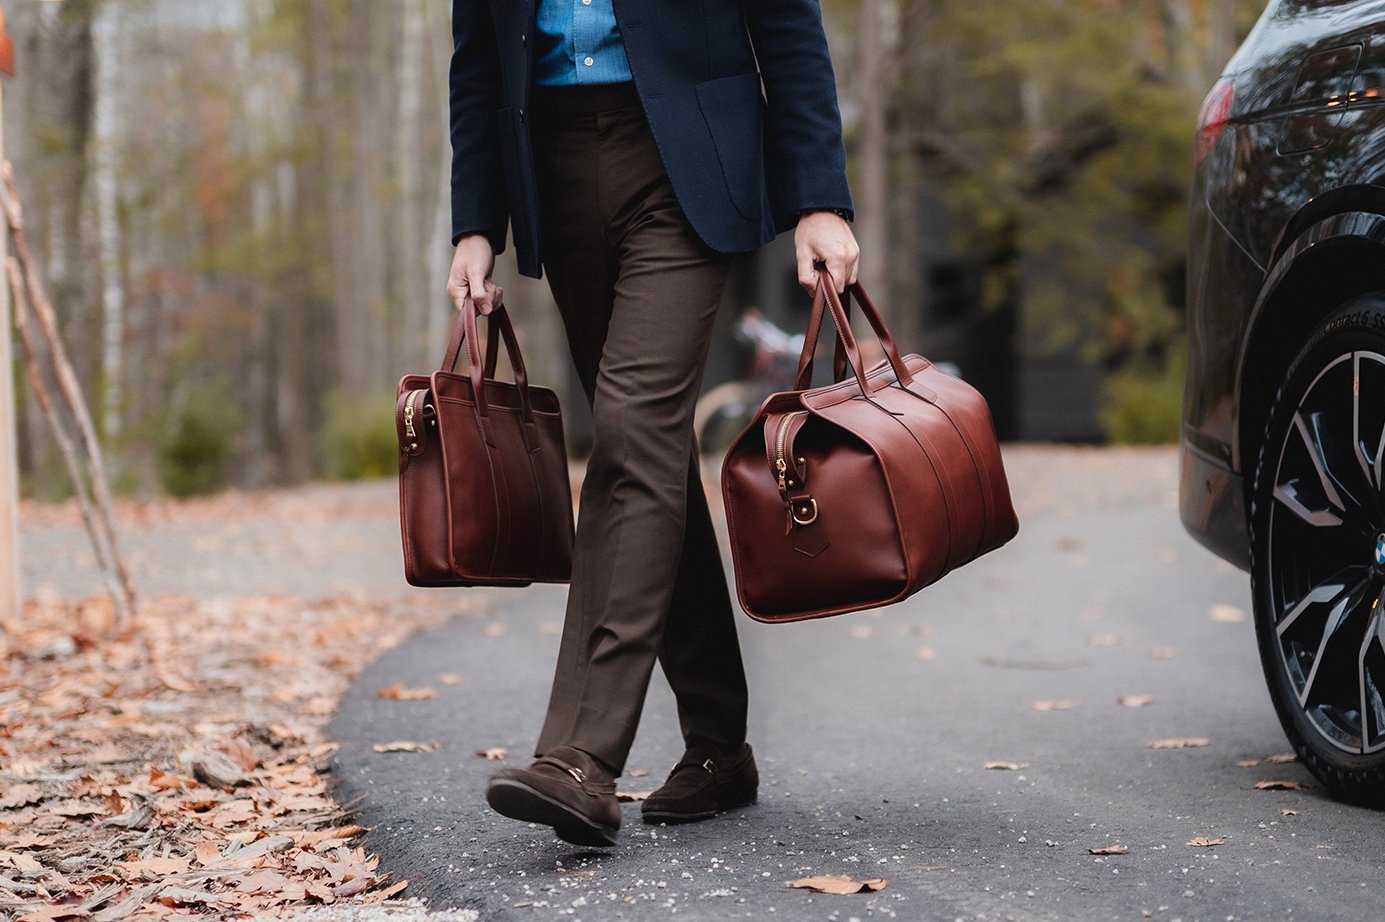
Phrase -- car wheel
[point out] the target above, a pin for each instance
(1318, 552)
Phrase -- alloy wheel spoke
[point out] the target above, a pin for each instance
(1325, 594)
(1370, 466)
(1335, 618)
(1314, 439)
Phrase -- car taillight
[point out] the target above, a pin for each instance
(1211, 119)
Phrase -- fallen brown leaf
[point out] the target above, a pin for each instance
(1053, 705)
(1247, 763)
(926, 654)
(1281, 786)
(406, 746)
(837, 883)
(397, 692)
(861, 631)
(167, 781)
(450, 678)
(1226, 614)
(241, 752)
(214, 769)
(494, 629)
(151, 868)
(1188, 742)
(638, 773)
(1204, 842)
(1135, 701)
(1109, 850)
(1005, 766)
(21, 795)
(632, 797)
(1282, 758)
(1287, 812)
(494, 754)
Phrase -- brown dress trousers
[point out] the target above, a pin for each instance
(638, 292)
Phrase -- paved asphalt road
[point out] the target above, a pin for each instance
(871, 754)
(872, 733)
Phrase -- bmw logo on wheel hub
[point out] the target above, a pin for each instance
(1380, 551)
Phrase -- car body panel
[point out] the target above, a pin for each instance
(1298, 172)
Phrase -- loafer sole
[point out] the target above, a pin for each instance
(672, 817)
(518, 801)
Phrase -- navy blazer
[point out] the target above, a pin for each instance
(742, 162)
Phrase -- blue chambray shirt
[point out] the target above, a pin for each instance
(578, 42)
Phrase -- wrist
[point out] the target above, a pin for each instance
(839, 212)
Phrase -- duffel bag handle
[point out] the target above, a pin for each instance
(825, 298)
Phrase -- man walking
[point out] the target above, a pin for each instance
(631, 146)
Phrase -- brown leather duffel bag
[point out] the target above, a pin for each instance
(484, 498)
(860, 493)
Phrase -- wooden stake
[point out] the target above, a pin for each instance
(32, 303)
(66, 444)
(10, 598)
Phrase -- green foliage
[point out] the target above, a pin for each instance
(1142, 407)
(1063, 130)
(198, 441)
(359, 437)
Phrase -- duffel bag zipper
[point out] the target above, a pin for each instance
(781, 462)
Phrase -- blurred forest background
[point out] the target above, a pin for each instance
(242, 211)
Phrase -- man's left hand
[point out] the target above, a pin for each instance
(825, 236)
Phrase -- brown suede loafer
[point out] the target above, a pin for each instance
(704, 783)
(564, 788)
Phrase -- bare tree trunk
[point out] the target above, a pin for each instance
(875, 90)
(11, 606)
(106, 185)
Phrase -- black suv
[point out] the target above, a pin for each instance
(1283, 445)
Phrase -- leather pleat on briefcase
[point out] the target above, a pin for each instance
(859, 493)
(484, 497)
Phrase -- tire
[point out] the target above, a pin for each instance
(720, 416)
(1317, 525)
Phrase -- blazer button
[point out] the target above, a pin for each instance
(521, 115)
(523, 39)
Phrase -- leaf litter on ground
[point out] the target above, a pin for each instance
(173, 764)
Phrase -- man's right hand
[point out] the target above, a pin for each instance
(471, 272)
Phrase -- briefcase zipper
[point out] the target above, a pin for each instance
(781, 462)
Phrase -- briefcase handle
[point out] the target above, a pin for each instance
(454, 344)
(825, 298)
(481, 368)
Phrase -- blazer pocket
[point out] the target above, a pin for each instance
(733, 109)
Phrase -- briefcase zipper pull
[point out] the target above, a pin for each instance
(783, 469)
(409, 421)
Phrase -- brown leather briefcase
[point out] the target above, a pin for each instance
(484, 498)
(862, 492)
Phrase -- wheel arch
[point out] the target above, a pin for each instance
(1327, 263)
